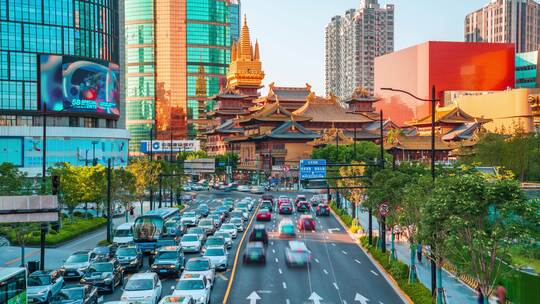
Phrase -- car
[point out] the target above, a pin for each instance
(283, 199)
(267, 197)
(144, 288)
(196, 286)
(255, 252)
(299, 198)
(306, 222)
(216, 219)
(230, 228)
(238, 222)
(75, 265)
(176, 300)
(200, 265)
(303, 206)
(218, 213)
(102, 253)
(129, 257)
(104, 276)
(76, 294)
(297, 254)
(190, 243)
(259, 234)
(173, 228)
(200, 232)
(208, 226)
(226, 236)
(166, 242)
(186, 188)
(43, 286)
(286, 229)
(218, 257)
(264, 215)
(214, 242)
(243, 212)
(169, 261)
(186, 199)
(123, 234)
(322, 210)
(285, 208)
(267, 204)
(189, 219)
(243, 188)
(203, 210)
(256, 190)
(224, 209)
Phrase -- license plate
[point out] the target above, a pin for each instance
(71, 273)
(162, 270)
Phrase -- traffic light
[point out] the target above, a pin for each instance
(55, 184)
(55, 226)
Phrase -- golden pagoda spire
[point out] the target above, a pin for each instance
(257, 55)
(200, 84)
(245, 42)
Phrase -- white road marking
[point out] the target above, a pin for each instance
(317, 260)
(333, 244)
(277, 260)
(284, 285)
(335, 285)
(273, 251)
(287, 301)
(272, 243)
(280, 272)
(344, 302)
(374, 273)
(325, 272)
(344, 252)
(357, 261)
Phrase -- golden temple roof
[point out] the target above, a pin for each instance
(329, 110)
(274, 112)
(452, 114)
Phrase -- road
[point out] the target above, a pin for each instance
(341, 272)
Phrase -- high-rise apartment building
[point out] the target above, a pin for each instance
(166, 44)
(508, 21)
(352, 43)
(62, 60)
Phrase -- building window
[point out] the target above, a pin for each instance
(90, 122)
(111, 124)
(74, 122)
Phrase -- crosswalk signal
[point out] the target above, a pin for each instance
(55, 184)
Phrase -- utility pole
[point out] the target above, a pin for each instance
(44, 226)
(109, 215)
(160, 190)
(383, 217)
(433, 264)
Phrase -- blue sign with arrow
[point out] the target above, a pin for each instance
(312, 169)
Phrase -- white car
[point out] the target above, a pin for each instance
(142, 288)
(238, 222)
(207, 225)
(257, 190)
(230, 228)
(244, 211)
(196, 286)
(243, 188)
(190, 243)
(226, 236)
(218, 257)
(202, 266)
(189, 219)
(123, 234)
(176, 300)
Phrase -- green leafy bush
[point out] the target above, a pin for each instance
(418, 293)
(347, 219)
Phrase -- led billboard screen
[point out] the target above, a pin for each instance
(76, 85)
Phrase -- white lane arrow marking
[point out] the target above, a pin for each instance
(360, 298)
(253, 297)
(315, 298)
(332, 229)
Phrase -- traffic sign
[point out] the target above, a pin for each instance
(384, 209)
(312, 168)
(286, 168)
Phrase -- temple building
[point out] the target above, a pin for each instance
(291, 98)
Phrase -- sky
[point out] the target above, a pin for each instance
(291, 32)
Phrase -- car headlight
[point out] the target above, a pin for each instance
(41, 292)
(201, 299)
(133, 262)
(83, 281)
(83, 269)
(154, 266)
(107, 280)
(172, 266)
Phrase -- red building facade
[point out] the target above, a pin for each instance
(467, 66)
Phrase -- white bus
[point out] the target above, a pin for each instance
(13, 285)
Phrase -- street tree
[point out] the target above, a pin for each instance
(351, 180)
(146, 174)
(123, 188)
(12, 180)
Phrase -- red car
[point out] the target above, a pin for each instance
(322, 209)
(299, 197)
(283, 200)
(306, 222)
(264, 215)
(285, 208)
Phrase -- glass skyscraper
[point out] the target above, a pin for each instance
(163, 57)
(65, 55)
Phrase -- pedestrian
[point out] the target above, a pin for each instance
(419, 253)
(480, 295)
(501, 293)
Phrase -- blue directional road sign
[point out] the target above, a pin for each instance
(312, 168)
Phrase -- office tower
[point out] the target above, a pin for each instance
(352, 43)
(515, 21)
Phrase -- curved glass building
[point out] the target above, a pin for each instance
(167, 42)
(61, 59)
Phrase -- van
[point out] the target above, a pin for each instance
(123, 235)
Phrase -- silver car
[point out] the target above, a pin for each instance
(43, 286)
(226, 236)
(218, 257)
(230, 228)
(190, 243)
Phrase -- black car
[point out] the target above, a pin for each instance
(303, 206)
(76, 294)
(203, 210)
(267, 204)
(102, 253)
(255, 252)
(169, 260)
(129, 258)
(259, 234)
(105, 276)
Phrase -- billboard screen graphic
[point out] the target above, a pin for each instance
(74, 85)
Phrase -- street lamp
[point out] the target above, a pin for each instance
(433, 101)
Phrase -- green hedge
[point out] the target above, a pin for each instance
(69, 231)
(346, 218)
(418, 293)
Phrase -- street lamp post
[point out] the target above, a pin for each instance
(433, 101)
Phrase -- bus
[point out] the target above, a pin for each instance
(149, 228)
(13, 285)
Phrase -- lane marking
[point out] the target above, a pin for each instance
(325, 272)
(317, 260)
(284, 285)
(273, 251)
(221, 276)
(335, 285)
(334, 244)
(374, 273)
(344, 252)
(280, 272)
(357, 261)
(287, 301)
(277, 260)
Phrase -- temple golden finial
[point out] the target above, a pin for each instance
(245, 42)
(257, 55)
(200, 84)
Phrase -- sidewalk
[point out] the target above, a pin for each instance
(456, 291)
